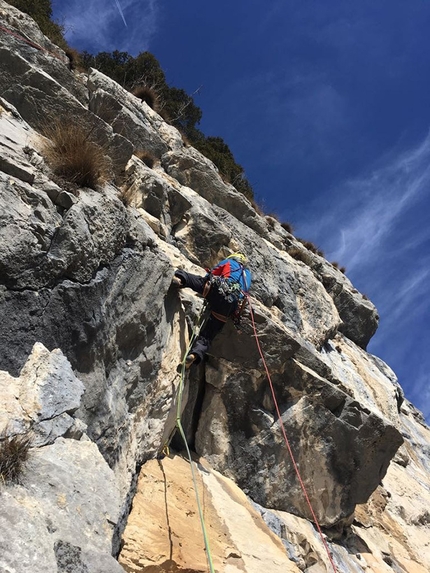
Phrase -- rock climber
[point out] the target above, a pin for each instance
(224, 288)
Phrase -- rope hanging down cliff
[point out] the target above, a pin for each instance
(284, 433)
(21, 37)
(199, 325)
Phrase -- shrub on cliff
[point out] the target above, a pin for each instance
(288, 227)
(300, 255)
(14, 452)
(146, 156)
(215, 149)
(148, 95)
(73, 155)
(311, 247)
(173, 104)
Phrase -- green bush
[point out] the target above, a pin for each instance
(215, 149)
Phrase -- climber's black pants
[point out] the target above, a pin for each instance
(217, 303)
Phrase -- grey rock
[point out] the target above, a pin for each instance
(47, 431)
(29, 221)
(358, 314)
(342, 450)
(128, 118)
(51, 383)
(101, 562)
(20, 170)
(68, 478)
(15, 134)
(191, 168)
(146, 189)
(40, 100)
(48, 57)
(26, 541)
(38, 246)
(43, 398)
(86, 274)
(65, 200)
(69, 558)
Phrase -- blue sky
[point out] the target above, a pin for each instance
(326, 106)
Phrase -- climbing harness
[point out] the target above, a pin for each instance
(200, 323)
(284, 433)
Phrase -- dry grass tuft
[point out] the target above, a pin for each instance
(300, 255)
(146, 156)
(336, 266)
(185, 140)
(311, 247)
(288, 227)
(75, 60)
(257, 208)
(148, 95)
(14, 453)
(73, 155)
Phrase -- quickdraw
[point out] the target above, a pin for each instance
(229, 290)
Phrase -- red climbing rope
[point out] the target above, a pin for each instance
(29, 42)
(290, 451)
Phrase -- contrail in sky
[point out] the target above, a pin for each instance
(121, 12)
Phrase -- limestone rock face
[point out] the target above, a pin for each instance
(67, 501)
(164, 533)
(43, 397)
(92, 332)
(126, 114)
(341, 448)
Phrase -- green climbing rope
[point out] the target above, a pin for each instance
(200, 322)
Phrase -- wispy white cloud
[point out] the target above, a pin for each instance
(377, 226)
(362, 220)
(100, 24)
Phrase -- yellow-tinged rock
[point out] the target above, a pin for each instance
(164, 533)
